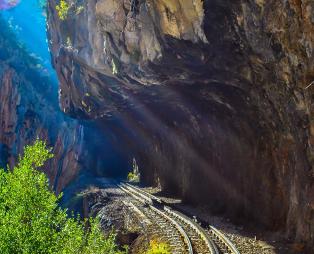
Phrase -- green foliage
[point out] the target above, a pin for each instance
(133, 177)
(63, 9)
(31, 222)
(156, 247)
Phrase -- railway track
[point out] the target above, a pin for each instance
(168, 229)
(189, 235)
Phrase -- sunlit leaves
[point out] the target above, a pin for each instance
(156, 247)
(63, 9)
(31, 222)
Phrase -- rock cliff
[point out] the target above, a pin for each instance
(29, 110)
(213, 98)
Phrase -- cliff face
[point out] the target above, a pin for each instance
(29, 110)
(212, 97)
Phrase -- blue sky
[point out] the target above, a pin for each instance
(28, 21)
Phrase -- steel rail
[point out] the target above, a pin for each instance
(197, 228)
(146, 200)
(186, 239)
(215, 232)
(145, 193)
(221, 237)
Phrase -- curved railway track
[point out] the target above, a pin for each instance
(183, 234)
(169, 229)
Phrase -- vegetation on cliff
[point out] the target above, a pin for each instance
(134, 175)
(63, 9)
(31, 220)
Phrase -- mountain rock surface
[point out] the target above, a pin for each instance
(213, 98)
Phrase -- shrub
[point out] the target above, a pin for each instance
(63, 9)
(133, 177)
(156, 247)
(31, 222)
